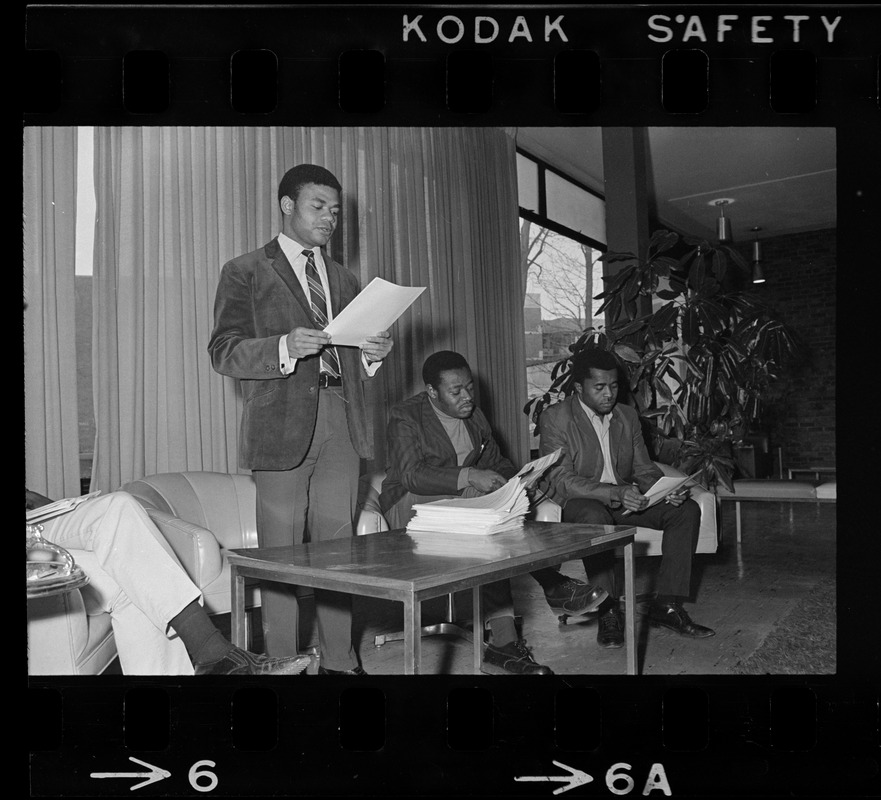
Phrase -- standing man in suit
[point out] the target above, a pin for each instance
(440, 445)
(304, 424)
(600, 479)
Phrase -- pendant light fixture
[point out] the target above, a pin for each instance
(723, 227)
(758, 273)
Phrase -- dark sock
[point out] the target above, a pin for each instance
(609, 604)
(665, 599)
(548, 578)
(205, 644)
(504, 631)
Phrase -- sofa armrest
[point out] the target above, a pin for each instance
(195, 547)
(370, 521)
(548, 511)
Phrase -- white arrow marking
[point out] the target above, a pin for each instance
(155, 774)
(575, 778)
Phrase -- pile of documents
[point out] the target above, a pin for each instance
(501, 510)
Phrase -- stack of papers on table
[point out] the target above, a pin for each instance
(455, 546)
(501, 510)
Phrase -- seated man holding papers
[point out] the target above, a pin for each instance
(440, 445)
(602, 478)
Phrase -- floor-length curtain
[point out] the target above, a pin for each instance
(421, 206)
(51, 427)
(438, 208)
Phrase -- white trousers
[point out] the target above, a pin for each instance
(133, 576)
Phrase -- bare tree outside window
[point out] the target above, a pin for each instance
(560, 276)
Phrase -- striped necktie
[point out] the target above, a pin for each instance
(329, 361)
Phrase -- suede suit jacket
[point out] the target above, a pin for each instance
(258, 300)
(420, 457)
(579, 470)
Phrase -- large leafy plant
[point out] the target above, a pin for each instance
(700, 364)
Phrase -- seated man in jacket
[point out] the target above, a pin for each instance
(600, 479)
(158, 624)
(441, 445)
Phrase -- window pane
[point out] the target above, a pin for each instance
(572, 206)
(563, 277)
(527, 183)
(85, 236)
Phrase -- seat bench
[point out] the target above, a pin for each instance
(771, 490)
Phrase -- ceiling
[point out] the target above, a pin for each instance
(781, 180)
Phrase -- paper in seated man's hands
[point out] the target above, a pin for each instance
(377, 347)
(304, 342)
(485, 480)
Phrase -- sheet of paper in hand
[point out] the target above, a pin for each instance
(666, 485)
(377, 306)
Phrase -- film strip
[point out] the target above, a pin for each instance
(490, 65)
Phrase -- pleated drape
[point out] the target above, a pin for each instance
(49, 224)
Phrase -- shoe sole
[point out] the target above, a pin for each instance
(594, 605)
(611, 645)
(493, 669)
(655, 624)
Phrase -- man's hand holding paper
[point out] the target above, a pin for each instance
(377, 347)
(304, 342)
(677, 498)
(632, 499)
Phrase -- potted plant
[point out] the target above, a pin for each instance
(699, 365)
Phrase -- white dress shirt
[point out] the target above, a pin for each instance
(601, 424)
(294, 253)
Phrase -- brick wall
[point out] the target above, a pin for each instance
(800, 285)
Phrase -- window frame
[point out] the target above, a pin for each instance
(540, 217)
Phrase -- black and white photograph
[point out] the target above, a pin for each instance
(464, 404)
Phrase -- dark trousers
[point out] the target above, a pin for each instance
(680, 528)
(312, 502)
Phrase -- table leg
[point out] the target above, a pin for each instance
(478, 630)
(630, 610)
(412, 636)
(237, 607)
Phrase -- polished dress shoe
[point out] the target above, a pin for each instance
(242, 662)
(610, 631)
(674, 617)
(515, 658)
(359, 670)
(571, 598)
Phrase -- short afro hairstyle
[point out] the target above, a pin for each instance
(297, 177)
(439, 362)
(592, 358)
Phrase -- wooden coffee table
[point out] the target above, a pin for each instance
(410, 567)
